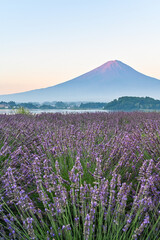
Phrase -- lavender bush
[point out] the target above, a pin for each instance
(80, 176)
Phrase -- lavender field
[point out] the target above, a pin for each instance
(80, 176)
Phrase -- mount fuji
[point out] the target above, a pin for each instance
(111, 80)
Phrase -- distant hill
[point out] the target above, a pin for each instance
(112, 80)
(133, 104)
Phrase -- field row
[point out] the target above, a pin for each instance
(80, 176)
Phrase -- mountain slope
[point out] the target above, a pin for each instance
(107, 82)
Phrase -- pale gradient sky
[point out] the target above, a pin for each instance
(45, 42)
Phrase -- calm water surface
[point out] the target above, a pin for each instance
(38, 111)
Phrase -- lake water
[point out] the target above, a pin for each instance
(38, 111)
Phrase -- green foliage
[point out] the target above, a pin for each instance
(60, 105)
(133, 104)
(22, 110)
(28, 105)
(92, 105)
(45, 106)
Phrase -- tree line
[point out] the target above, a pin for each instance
(120, 104)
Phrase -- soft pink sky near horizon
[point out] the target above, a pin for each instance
(43, 43)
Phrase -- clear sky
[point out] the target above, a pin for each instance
(45, 42)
